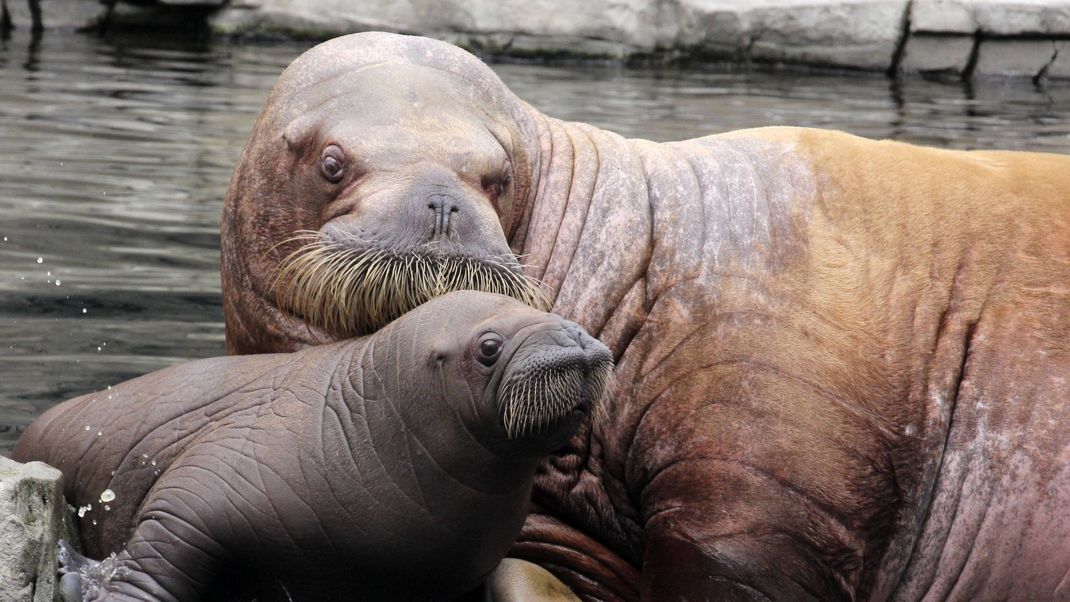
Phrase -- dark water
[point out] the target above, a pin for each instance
(115, 155)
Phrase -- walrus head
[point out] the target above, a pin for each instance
(383, 171)
(519, 379)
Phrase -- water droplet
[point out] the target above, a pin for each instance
(48, 273)
(146, 456)
(107, 508)
(84, 310)
(87, 427)
(99, 433)
(98, 348)
(5, 239)
(94, 521)
(154, 462)
(82, 510)
(57, 282)
(113, 473)
(107, 495)
(40, 260)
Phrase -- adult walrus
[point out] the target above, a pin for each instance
(394, 466)
(843, 365)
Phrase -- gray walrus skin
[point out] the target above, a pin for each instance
(376, 468)
(843, 364)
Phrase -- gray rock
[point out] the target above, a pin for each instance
(1017, 57)
(205, 3)
(993, 17)
(1060, 67)
(521, 580)
(596, 27)
(856, 33)
(861, 34)
(56, 14)
(942, 16)
(33, 516)
(937, 54)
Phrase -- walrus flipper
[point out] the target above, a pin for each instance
(156, 564)
(83, 578)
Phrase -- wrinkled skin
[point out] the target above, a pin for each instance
(377, 468)
(842, 364)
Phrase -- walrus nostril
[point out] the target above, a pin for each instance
(442, 208)
(580, 336)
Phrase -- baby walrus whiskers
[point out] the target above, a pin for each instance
(350, 288)
(570, 371)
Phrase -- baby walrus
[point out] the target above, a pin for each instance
(393, 466)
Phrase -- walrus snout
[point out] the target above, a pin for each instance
(555, 376)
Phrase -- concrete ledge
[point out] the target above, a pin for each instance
(55, 14)
(946, 38)
(856, 34)
(992, 17)
(957, 38)
(938, 54)
(1025, 58)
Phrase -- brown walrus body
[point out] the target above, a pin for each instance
(843, 365)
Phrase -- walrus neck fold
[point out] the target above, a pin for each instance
(393, 403)
(588, 232)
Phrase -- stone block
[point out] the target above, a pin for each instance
(1060, 68)
(861, 34)
(202, 3)
(1022, 58)
(940, 54)
(596, 27)
(992, 17)
(942, 16)
(56, 14)
(33, 516)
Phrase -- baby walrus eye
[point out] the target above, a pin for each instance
(490, 347)
(332, 164)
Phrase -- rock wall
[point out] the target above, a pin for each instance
(952, 38)
(957, 38)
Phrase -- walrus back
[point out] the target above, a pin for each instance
(112, 445)
(940, 278)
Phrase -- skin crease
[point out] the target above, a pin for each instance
(378, 467)
(842, 364)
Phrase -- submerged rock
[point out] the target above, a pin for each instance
(33, 516)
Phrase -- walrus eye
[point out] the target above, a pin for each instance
(489, 349)
(332, 164)
(494, 186)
